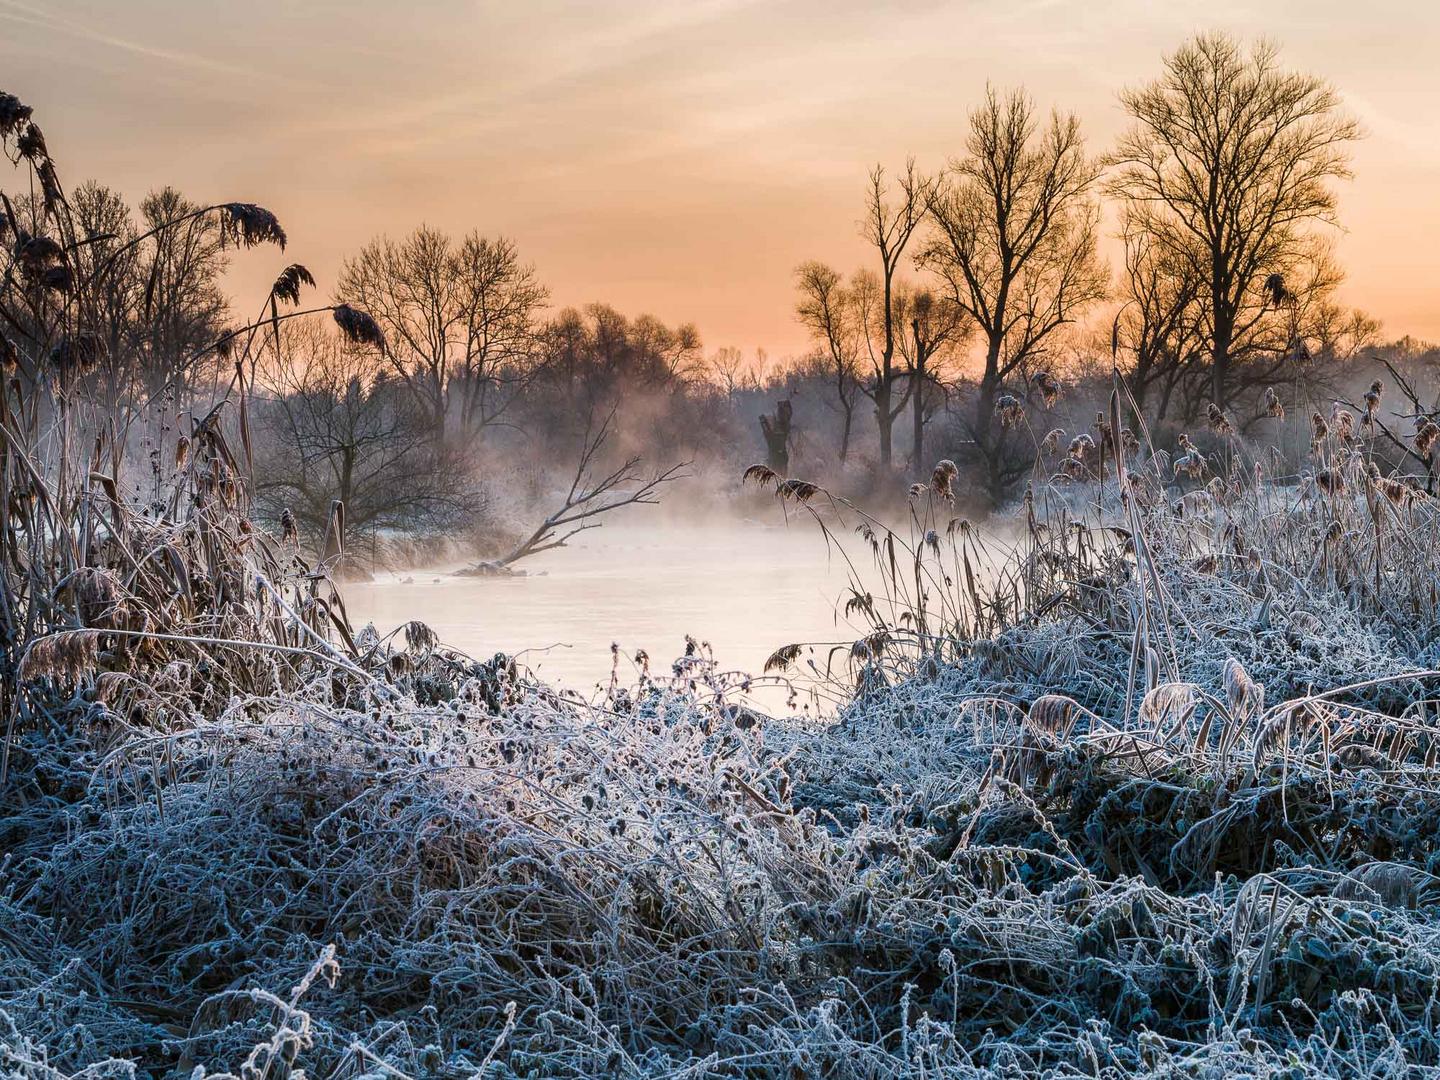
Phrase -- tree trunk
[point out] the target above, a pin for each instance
(917, 414)
(885, 422)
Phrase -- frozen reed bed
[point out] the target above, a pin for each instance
(1147, 790)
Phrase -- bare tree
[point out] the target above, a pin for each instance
(890, 221)
(730, 370)
(1014, 240)
(1229, 166)
(1157, 324)
(827, 310)
(461, 319)
(340, 427)
(937, 325)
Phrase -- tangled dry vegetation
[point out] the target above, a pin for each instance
(1147, 791)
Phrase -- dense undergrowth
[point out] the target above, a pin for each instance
(1148, 789)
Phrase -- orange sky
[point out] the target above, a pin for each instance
(673, 157)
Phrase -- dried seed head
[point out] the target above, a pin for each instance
(1191, 465)
(58, 278)
(1330, 481)
(1426, 436)
(77, 354)
(1218, 422)
(1276, 291)
(1008, 410)
(13, 113)
(1244, 697)
(1273, 406)
(1048, 387)
(287, 285)
(31, 144)
(942, 478)
(69, 654)
(359, 327)
(797, 490)
(245, 225)
(1343, 422)
(759, 474)
(1372, 400)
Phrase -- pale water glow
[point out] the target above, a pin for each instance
(744, 586)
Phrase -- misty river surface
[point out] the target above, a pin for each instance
(745, 586)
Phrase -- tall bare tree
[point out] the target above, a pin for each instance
(891, 220)
(1014, 240)
(827, 310)
(936, 326)
(461, 319)
(1229, 165)
(1157, 324)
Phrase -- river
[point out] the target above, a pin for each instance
(743, 585)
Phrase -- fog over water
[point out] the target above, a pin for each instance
(741, 584)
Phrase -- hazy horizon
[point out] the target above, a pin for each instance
(679, 159)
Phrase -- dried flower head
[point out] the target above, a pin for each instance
(1342, 420)
(245, 225)
(1218, 421)
(1372, 399)
(1008, 410)
(1330, 481)
(1276, 291)
(287, 285)
(1047, 386)
(36, 252)
(1273, 405)
(797, 490)
(942, 479)
(1191, 465)
(69, 654)
(59, 278)
(13, 113)
(760, 474)
(31, 144)
(359, 327)
(1426, 436)
(1051, 442)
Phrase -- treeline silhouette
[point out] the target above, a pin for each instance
(983, 327)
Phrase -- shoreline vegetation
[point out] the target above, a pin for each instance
(1148, 788)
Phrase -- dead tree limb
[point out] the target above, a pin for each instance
(588, 497)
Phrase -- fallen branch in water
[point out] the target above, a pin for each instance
(587, 499)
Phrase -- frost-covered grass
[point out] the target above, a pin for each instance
(1127, 808)
(1147, 790)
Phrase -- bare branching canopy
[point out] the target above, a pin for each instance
(1230, 165)
(460, 319)
(1014, 242)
